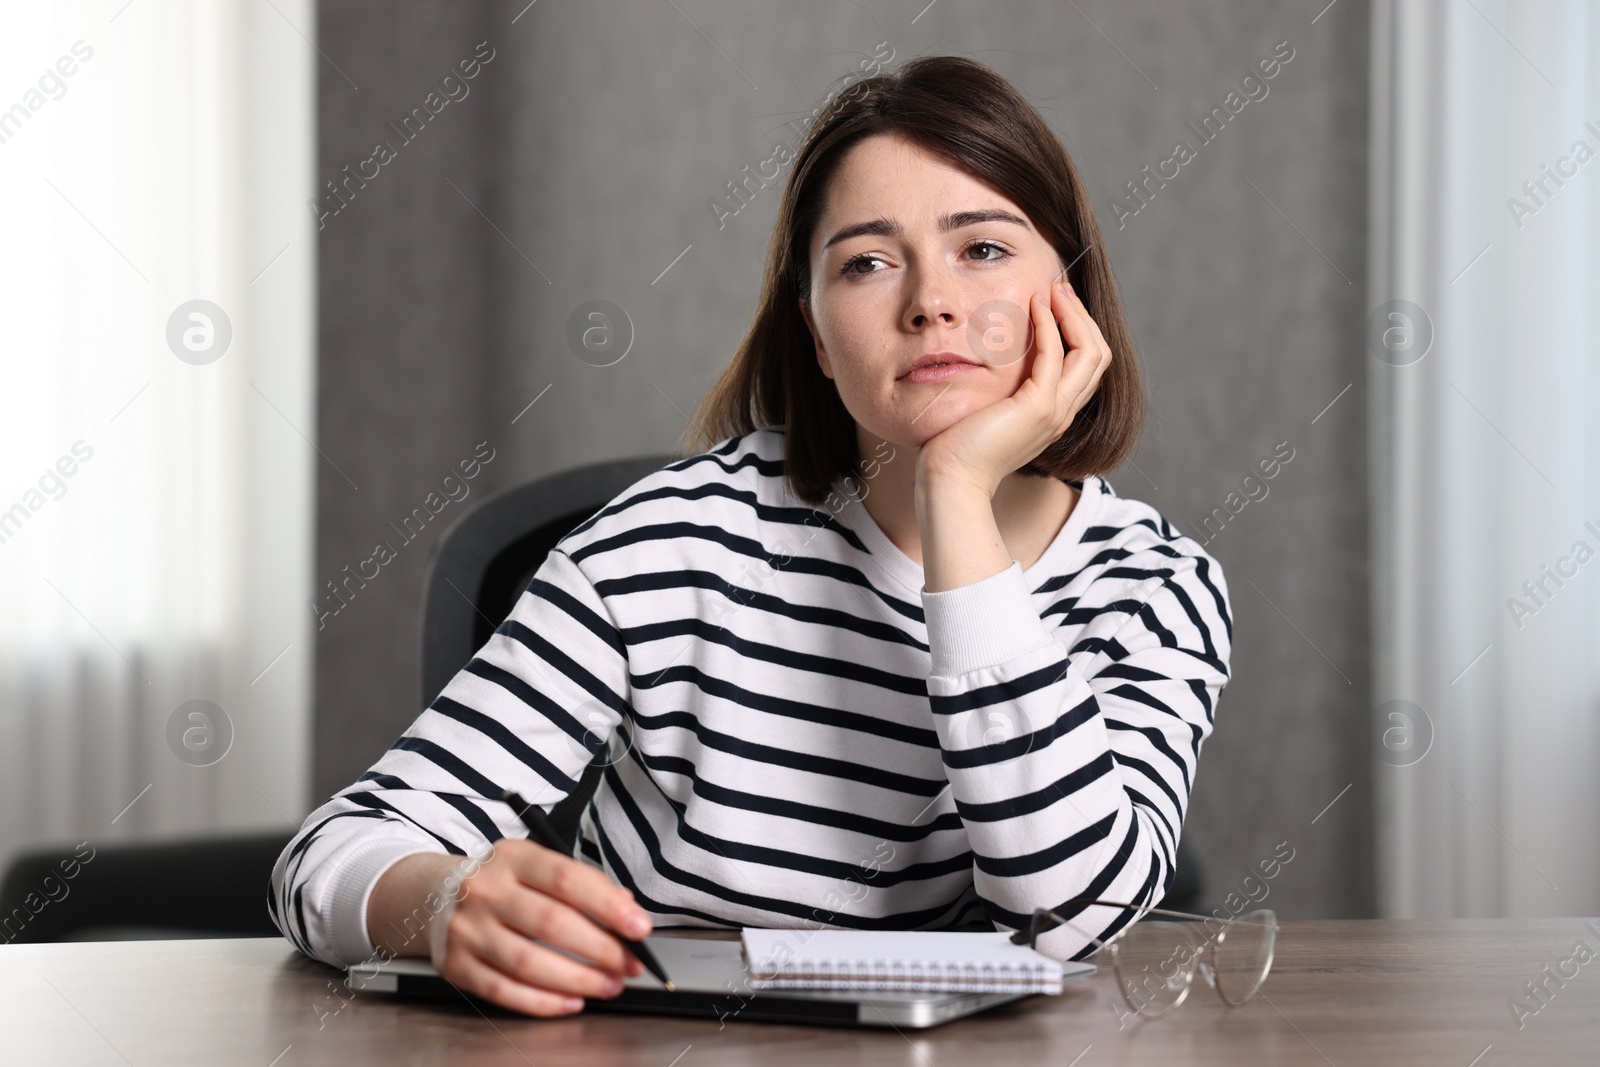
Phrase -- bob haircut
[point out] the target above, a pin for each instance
(963, 112)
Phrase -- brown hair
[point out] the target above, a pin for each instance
(965, 113)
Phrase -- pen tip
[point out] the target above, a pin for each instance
(670, 987)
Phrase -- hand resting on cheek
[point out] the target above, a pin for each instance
(1069, 357)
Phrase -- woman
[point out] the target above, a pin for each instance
(887, 653)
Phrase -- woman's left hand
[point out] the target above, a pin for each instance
(994, 441)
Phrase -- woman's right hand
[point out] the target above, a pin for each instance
(482, 938)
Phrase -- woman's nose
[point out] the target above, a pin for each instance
(934, 296)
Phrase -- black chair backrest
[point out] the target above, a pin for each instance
(480, 566)
(201, 886)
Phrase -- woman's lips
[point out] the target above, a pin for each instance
(939, 374)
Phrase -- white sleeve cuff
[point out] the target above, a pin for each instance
(982, 624)
(351, 888)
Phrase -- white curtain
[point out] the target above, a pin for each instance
(1485, 455)
(155, 511)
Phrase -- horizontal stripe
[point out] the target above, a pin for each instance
(497, 732)
(1023, 744)
(801, 613)
(1050, 855)
(837, 718)
(807, 813)
(1039, 799)
(755, 752)
(705, 632)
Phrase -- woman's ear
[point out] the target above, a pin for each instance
(816, 342)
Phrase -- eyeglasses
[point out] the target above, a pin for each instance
(1155, 962)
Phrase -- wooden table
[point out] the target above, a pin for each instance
(1413, 992)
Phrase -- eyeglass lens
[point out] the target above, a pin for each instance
(1154, 964)
(1244, 956)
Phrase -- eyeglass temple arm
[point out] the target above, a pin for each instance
(1098, 943)
(1152, 911)
(1030, 938)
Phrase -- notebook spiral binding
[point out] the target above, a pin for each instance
(913, 976)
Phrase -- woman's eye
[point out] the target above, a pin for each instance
(989, 244)
(854, 261)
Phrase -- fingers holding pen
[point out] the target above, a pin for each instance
(537, 915)
(539, 931)
(586, 888)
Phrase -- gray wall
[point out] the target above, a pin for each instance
(593, 143)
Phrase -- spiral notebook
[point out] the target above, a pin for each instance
(897, 960)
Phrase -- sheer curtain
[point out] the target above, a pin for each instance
(1484, 439)
(156, 479)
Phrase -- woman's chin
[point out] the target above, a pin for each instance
(912, 417)
(923, 419)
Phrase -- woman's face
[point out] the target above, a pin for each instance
(908, 286)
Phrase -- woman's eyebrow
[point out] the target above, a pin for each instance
(948, 222)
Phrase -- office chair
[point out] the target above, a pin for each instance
(192, 887)
(484, 561)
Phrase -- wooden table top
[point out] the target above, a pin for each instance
(1413, 992)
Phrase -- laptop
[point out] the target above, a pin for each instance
(712, 981)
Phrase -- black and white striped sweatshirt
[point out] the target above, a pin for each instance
(799, 735)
